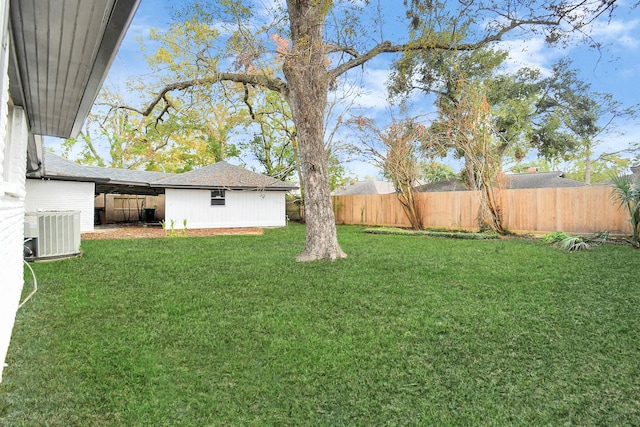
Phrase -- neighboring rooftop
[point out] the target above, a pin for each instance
(365, 187)
(449, 184)
(541, 180)
(514, 182)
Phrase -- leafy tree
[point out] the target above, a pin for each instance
(325, 40)
(601, 168)
(512, 97)
(574, 120)
(433, 171)
(187, 139)
(558, 115)
(447, 74)
(275, 146)
(482, 115)
(469, 124)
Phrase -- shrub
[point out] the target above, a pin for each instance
(578, 243)
(554, 237)
(627, 192)
(573, 243)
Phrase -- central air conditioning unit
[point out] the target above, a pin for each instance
(50, 234)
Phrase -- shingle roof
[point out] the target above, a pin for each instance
(219, 175)
(365, 187)
(541, 180)
(223, 175)
(57, 167)
(514, 182)
(449, 184)
(128, 175)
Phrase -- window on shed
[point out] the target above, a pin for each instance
(217, 197)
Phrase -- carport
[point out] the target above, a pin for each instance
(118, 195)
(126, 190)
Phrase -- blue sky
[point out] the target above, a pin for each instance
(615, 69)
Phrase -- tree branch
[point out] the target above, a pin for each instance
(271, 83)
(246, 101)
(388, 47)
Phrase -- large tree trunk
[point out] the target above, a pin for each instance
(489, 215)
(308, 82)
(587, 168)
(407, 199)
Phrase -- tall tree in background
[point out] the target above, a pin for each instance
(433, 171)
(275, 145)
(319, 53)
(397, 150)
(448, 74)
(469, 124)
(578, 122)
(187, 139)
(557, 115)
(483, 115)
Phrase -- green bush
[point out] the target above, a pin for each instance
(578, 243)
(573, 243)
(555, 237)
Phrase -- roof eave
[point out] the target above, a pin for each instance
(69, 178)
(121, 17)
(26, 61)
(129, 183)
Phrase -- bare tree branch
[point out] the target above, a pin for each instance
(271, 83)
(388, 47)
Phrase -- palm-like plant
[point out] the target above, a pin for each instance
(626, 191)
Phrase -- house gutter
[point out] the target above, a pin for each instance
(68, 178)
(224, 187)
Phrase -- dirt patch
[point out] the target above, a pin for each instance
(109, 233)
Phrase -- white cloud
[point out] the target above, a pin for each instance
(374, 94)
(530, 53)
(622, 33)
(630, 134)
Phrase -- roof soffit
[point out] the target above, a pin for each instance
(62, 50)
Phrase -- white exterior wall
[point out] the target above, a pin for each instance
(241, 209)
(13, 159)
(49, 195)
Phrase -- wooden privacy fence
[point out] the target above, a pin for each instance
(577, 210)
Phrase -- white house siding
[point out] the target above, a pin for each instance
(241, 209)
(13, 158)
(49, 195)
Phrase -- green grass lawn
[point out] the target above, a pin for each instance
(229, 330)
